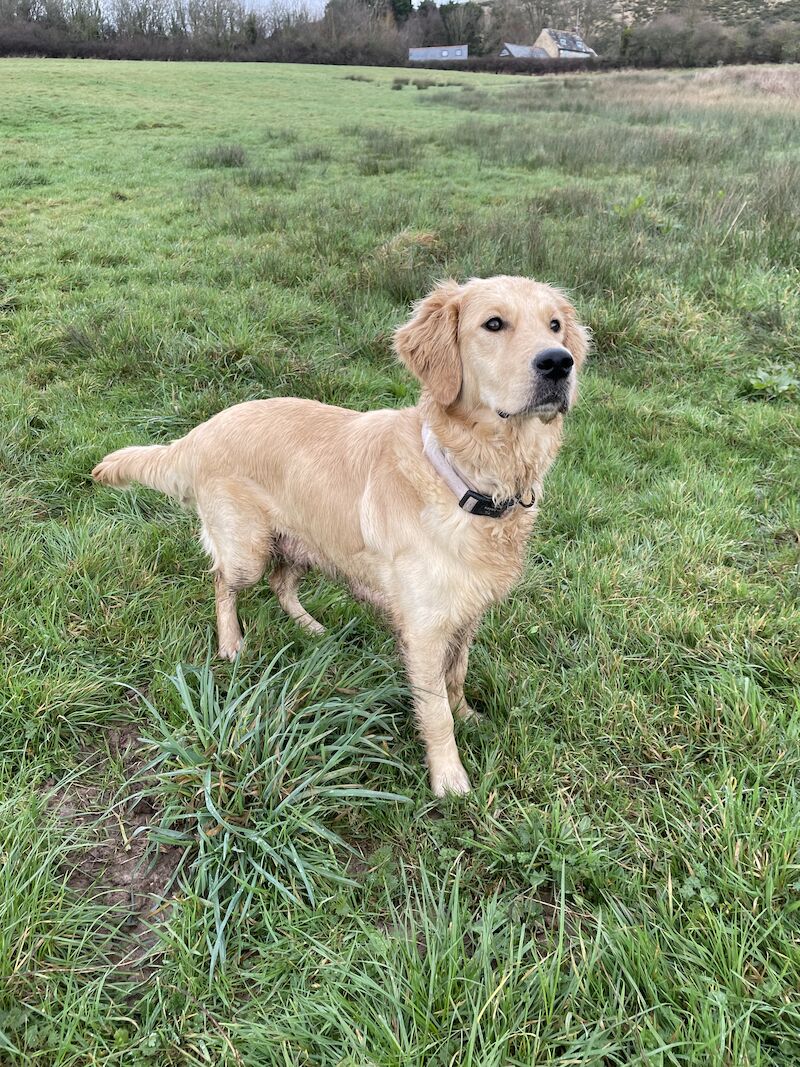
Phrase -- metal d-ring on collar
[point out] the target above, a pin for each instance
(469, 499)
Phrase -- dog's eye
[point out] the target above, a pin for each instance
(555, 325)
(493, 324)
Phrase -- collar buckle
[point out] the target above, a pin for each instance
(480, 504)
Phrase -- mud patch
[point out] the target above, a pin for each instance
(112, 865)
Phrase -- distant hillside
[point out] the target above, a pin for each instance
(688, 32)
(732, 12)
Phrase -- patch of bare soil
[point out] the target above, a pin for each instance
(114, 868)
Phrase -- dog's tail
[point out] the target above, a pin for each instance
(151, 465)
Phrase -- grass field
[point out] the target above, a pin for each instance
(623, 886)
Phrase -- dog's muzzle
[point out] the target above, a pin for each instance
(551, 371)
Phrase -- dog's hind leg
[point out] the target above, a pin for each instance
(236, 533)
(229, 634)
(456, 671)
(283, 582)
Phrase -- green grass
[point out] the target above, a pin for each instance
(623, 886)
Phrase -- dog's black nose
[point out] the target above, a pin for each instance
(554, 363)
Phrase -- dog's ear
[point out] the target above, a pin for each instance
(428, 342)
(576, 337)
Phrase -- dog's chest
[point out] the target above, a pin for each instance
(479, 559)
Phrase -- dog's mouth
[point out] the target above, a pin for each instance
(545, 401)
(545, 411)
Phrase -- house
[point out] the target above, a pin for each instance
(560, 44)
(522, 51)
(444, 53)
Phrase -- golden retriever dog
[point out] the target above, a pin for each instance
(425, 511)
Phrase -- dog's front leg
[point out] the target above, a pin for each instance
(426, 658)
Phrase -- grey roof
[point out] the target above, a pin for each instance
(444, 52)
(523, 51)
(569, 42)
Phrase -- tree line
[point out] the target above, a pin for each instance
(637, 33)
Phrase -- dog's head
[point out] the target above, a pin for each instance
(510, 345)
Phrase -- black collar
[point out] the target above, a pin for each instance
(481, 504)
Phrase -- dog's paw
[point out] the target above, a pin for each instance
(466, 713)
(449, 779)
(230, 651)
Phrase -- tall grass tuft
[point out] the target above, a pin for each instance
(312, 153)
(383, 151)
(252, 779)
(221, 155)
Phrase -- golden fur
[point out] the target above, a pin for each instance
(298, 484)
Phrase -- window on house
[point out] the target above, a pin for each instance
(444, 52)
(458, 51)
